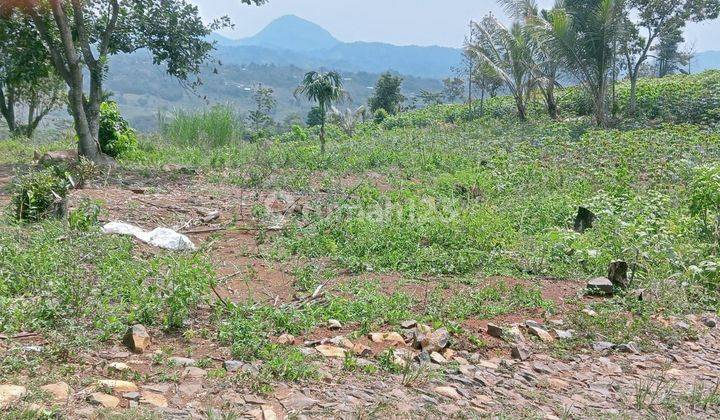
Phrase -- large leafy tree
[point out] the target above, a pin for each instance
(581, 34)
(27, 78)
(78, 36)
(508, 51)
(324, 89)
(647, 23)
(387, 94)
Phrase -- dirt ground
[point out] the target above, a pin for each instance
(679, 380)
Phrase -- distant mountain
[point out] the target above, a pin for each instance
(705, 61)
(291, 40)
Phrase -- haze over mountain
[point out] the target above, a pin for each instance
(291, 40)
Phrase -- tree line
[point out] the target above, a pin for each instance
(591, 42)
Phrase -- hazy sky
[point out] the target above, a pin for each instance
(402, 22)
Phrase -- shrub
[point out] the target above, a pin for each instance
(116, 137)
(85, 217)
(39, 195)
(380, 115)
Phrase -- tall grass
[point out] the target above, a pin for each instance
(218, 126)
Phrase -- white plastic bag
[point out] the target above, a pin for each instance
(161, 237)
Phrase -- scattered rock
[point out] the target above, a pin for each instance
(618, 274)
(362, 350)
(118, 367)
(409, 324)
(59, 391)
(331, 351)
(10, 394)
(33, 349)
(589, 312)
(448, 392)
(103, 400)
(156, 400)
(286, 339)
(709, 322)
(603, 346)
(601, 285)
(584, 220)
(268, 412)
(376, 337)
(343, 342)
(298, 401)
(117, 385)
(334, 324)
(438, 358)
(137, 338)
(541, 334)
(627, 348)
(394, 338)
(495, 331)
(183, 361)
(563, 334)
(435, 341)
(194, 372)
(69, 157)
(520, 352)
(233, 365)
(134, 396)
(681, 325)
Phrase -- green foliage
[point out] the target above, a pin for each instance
(387, 95)
(55, 264)
(216, 127)
(85, 216)
(38, 195)
(314, 117)
(116, 137)
(380, 115)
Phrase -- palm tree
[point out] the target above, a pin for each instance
(544, 65)
(581, 34)
(509, 53)
(324, 89)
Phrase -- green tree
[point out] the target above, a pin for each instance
(78, 36)
(544, 65)
(508, 51)
(453, 88)
(430, 98)
(387, 94)
(27, 78)
(323, 89)
(265, 102)
(657, 20)
(581, 35)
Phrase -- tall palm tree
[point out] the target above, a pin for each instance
(544, 65)
(508, 51)
(323, 89)
(581, 34)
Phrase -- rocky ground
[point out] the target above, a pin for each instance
(521, 368)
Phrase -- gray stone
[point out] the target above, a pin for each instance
(408, 324)
(564, 334)
(601, 285)
(520, 352)
(627, 348)
(495, 331)
(183, 361)
(436, 340)
(618, 274)
(709, 322)
(233, 365)
(334, 324)
(602, 346)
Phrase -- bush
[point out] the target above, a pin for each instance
(85, 217)
(380, 115)
(116, 137)
(39, 195)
